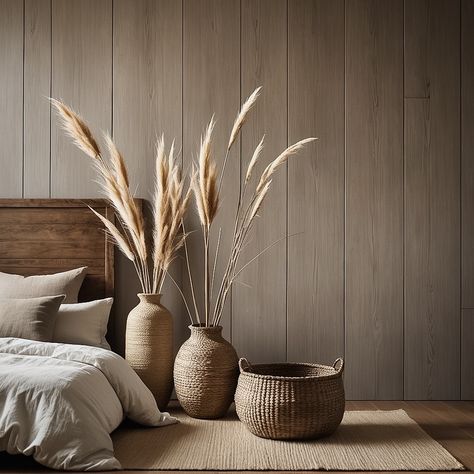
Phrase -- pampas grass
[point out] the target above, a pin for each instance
(207, 199)
(76, 128)
(169, 204)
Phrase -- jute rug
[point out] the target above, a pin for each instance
(366, 440)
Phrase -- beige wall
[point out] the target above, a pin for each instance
(380, 263)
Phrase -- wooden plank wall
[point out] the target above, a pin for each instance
(379, 265)
(467, 199)
(264, 61)
(374, 198)
(145, 38)
(316, 181)
(211, 85)
(432, 199)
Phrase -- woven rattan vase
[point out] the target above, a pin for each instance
(149, 346)
(205, 373)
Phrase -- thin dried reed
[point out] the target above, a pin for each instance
(203, 185)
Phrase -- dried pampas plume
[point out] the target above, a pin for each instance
(129, 235)
(204, 182)
(170, 203)
(242, 115)
(117, 237)
(280, 159)
(77, 129)
(253, 161)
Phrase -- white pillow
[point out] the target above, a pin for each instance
(83, 323)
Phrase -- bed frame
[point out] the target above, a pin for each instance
(41, 236)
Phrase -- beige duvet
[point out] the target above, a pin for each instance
(60, 402)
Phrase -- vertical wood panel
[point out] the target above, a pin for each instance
(211, 85)
(417, 38)
(316, 181)
(299, 313)
(146, 103)
(467, 135)
(259, 297)
(82, 77)
(467, 355)
(432, 207)
(37, 90)
(374, 199)
(11, 97)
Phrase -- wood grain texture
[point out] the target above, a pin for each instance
(37, 111)
(467, 354)
(11, 98)
(417, 35)
(432, 212)
(211, 85)
(259, 296)
(147, 103)
(146, 66)
(43, 216)
(374, 199)
(467, 153)
(52, 247)
(316, 181)
(82, 78)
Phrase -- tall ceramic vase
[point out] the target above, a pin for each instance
(205, 373)
(149, 346)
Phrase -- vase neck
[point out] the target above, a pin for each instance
(152, 298)
(208, 332)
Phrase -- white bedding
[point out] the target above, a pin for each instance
(60, 402)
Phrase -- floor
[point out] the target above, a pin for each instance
(450, 423)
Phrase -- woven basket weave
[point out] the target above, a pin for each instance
(290, 401)
(149, 346)
(205, 373)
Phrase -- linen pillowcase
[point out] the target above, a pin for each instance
(32, 318)
(64, 283)
(84, 323)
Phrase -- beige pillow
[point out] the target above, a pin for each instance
(31, 318)
(64, 283)
(84, 323)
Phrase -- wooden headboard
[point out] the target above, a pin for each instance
(40, 236)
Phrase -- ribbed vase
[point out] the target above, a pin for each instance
(205, 373)
(149, 346)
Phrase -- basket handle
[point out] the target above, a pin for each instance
(244, 364)
(338, 365)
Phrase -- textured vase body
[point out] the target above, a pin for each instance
(149, 346)
(205, 373)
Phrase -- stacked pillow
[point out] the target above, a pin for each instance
(45, 308)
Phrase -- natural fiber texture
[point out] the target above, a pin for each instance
(290, 401)
(149, 346)
(366, 440)
(205, 373)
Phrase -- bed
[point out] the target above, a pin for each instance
(60, 402)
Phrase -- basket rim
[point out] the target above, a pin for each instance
(335, 374)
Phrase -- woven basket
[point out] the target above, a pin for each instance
(290, 401)
(149, 346)
(205, 373)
